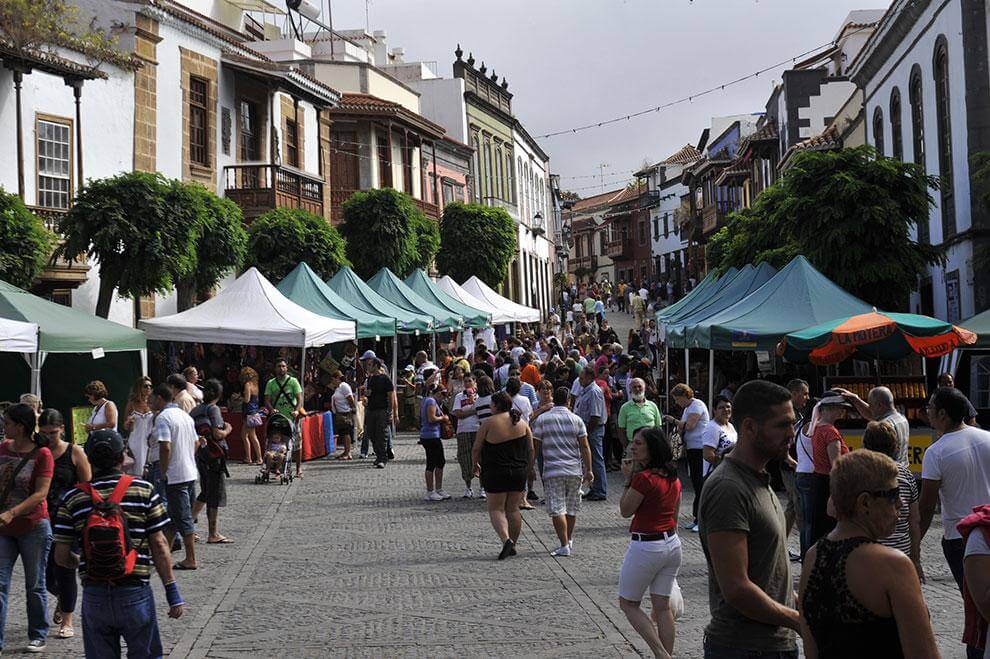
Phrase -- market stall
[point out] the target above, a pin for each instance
(496, 315)
(252, 312)
(474, 318)
(520, 314)
(53, 351)
(701, 290)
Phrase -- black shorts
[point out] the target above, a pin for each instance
(343, 423)
(434, 453)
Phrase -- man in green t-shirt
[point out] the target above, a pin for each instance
(637, 413)
(589, 306)
(283, 392)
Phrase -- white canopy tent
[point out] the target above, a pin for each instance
(250, 311)
(518, 313)
(17, 336)
(453, 289)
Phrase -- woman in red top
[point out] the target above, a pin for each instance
(25, 475)
(652, 498)
(826, 447)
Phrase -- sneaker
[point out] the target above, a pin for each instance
(694, 528)
(570, 544)
(468, 493)
(481, 494)
(508, 549)
(391, 455)
(794, 556)
(433, 496)
(379, 465)
(443, 495)
(561, 551)
(363, 456)
(591, 496)
(532, 496)
(36, 645)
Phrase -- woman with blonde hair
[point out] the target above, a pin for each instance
(138, 422)
(251, 414)
(858, 597)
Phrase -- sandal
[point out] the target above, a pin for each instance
(221, 541)
(57, 616)
(65, 632)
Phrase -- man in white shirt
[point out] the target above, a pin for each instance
(520, 403)
(879, 406)
(467, 426)
(955, 469)
(175, 433)
(191, 374)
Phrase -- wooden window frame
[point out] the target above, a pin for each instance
(292, 143)
(67, 122)
(201, 108)
(896, 125)
(916, 101)
(943, 136)
(878, 131)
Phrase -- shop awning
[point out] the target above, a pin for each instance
(389, 286)
(453, 289)
(796, 297)
(250, 311)
(350, 287)
(980, 323)
(482, 291)
(303, 287)
(431, 292)
(63, 329)
(746, 282)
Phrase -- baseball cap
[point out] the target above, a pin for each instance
(368, 354)
(106, 440)
(409, 367)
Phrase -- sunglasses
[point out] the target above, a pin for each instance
(891, 495)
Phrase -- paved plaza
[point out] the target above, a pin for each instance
(349, 561)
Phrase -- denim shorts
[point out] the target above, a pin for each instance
(180, 503)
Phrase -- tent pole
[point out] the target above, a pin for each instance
(36, 374)
(395, 377)
(434, 348)
(144, 361)
(666, 377)
(711, 379)
(686, 367)
(924, 367)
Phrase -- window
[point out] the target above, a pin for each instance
(981, 382)
(918, 134)
(666, 225)
(602, 241)
(896, 135)
(944, 127)
(499, 179)
(54, 163)
(656, 228)
(489, 183)
(249, 132)
(477, 170)
(510, 175)
(291, 143)
(642, 232)
(198, 101)
(878, 131)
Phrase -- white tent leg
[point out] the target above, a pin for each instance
(144, 361)
(433, 342)
(666, 377)
(686, 367)
(924, 367)
(395, 378)
(711, 379)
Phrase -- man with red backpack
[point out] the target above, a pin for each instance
(118, 522)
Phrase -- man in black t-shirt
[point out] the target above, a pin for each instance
(381, 402)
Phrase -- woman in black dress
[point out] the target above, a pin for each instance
(503, 456)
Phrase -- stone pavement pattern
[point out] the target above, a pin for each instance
(351, 562)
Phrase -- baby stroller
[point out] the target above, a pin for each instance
(279, 443)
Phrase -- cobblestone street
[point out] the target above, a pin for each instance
(350, 561)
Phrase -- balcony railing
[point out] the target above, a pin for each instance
(58, 273)
(649, 198)
(258, 188)
(338, 197)
(575, 263)
(618, 249)
(714, 215)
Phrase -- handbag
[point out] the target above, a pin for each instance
(254, 420)
(676, 444)
(11, 479)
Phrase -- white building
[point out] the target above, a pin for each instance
(535, 259)
(926, 91)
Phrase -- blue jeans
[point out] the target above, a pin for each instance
(805, 484)
(33, 549)
(714, 651)
(595, 440)
(112, 612)
(180, 502)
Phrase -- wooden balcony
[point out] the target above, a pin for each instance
(58, 274)
(575, 263)
(619, 249)
(714, 216)
(338, 197)
(258, 188)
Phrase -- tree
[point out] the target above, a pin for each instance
(850, 213)
(221, 243)
(379, 227)
(476, 240)
(25, 243)
(282, 238)
(139, 227)
(426, 233)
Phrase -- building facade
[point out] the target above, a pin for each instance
(588, 259)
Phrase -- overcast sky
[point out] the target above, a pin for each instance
(573, 62)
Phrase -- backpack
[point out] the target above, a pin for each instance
(106, 542)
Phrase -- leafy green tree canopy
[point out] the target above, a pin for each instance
(282, 238)
(427, 235)
(850, 213)
(25, 243)
(476, 240)
(380, 229)
(141, 229)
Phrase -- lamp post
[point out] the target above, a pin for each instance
(537, 227)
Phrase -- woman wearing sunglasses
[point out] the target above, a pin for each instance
(858, 597)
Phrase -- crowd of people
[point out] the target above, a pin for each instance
(540, 418)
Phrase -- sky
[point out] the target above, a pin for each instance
(574, 62)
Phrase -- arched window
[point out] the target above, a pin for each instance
(944, 127)
(498, 173)
(507, 184)
(878, 131)
(510, 166)
(916, 100)
(520, 178)
(488, 171)
(525, 208)
(896, 134)
(476, 157)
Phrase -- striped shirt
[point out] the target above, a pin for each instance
(900, 539)
(483, 407)
(143, 508)
(558, 430)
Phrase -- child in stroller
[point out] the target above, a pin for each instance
(278, 451)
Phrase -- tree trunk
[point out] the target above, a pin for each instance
(107, 287)
(185, 294)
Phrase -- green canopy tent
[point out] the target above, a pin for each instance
(980, 324)
(388, 285)
(303, 287)
(705, 297)
(698, 290)
(429, 291)
(354, 291)
(72, 348)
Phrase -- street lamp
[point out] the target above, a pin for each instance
(537, 228)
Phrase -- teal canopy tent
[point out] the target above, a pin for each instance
(695, 292)
(350, 287)
(386, 284)
(303, 287)
(429, 291)
(980, 324)
(706, 296)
